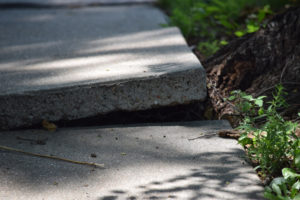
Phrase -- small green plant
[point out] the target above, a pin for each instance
(273, 143)
(286, 187)
(254, 21)
(209, 48)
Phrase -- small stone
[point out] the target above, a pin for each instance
(93, 155)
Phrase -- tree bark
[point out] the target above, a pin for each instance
(257, 62)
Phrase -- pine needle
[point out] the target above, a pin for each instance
(51, 157)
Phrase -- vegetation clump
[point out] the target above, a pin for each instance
(210, 24)
(271, 142)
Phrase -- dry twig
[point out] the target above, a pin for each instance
(51, 157)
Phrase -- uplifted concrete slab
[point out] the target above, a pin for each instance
(150, 161)
(70, 64)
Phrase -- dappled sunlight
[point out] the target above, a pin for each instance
(97, 69)
(54, 61)
(140, 40)
(39, 18)
(92, 70)
(14, 66)
(140, 161)
(14, 49)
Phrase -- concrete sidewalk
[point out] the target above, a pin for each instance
(150, 161)
(65, 64)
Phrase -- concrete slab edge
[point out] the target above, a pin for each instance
(19, 110)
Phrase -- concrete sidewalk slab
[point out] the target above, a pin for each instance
(150, 161)
(71, 64)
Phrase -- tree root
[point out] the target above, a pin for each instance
(235, 134)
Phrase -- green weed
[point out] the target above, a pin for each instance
(286, 187)
(271, 142)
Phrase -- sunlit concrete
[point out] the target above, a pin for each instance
(150, 161)
(122, 57)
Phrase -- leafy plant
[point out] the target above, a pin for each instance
(273, 143)
(209, 48)
(286, 187)
(254, 21)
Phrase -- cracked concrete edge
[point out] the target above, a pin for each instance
(71, 103)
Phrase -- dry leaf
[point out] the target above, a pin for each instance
(298, 132)
(48, 125)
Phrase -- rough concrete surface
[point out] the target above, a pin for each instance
(75, 63)
(150, 161)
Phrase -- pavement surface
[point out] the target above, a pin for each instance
(184, 161)
(74, 63)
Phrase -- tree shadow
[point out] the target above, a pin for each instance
(203, 183)
(142, 162)
(54, 48)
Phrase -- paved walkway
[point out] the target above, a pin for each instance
(73, 63)
(143, 162)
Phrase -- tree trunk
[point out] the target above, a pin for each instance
(257, 62)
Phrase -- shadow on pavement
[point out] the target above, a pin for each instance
(142, 162)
